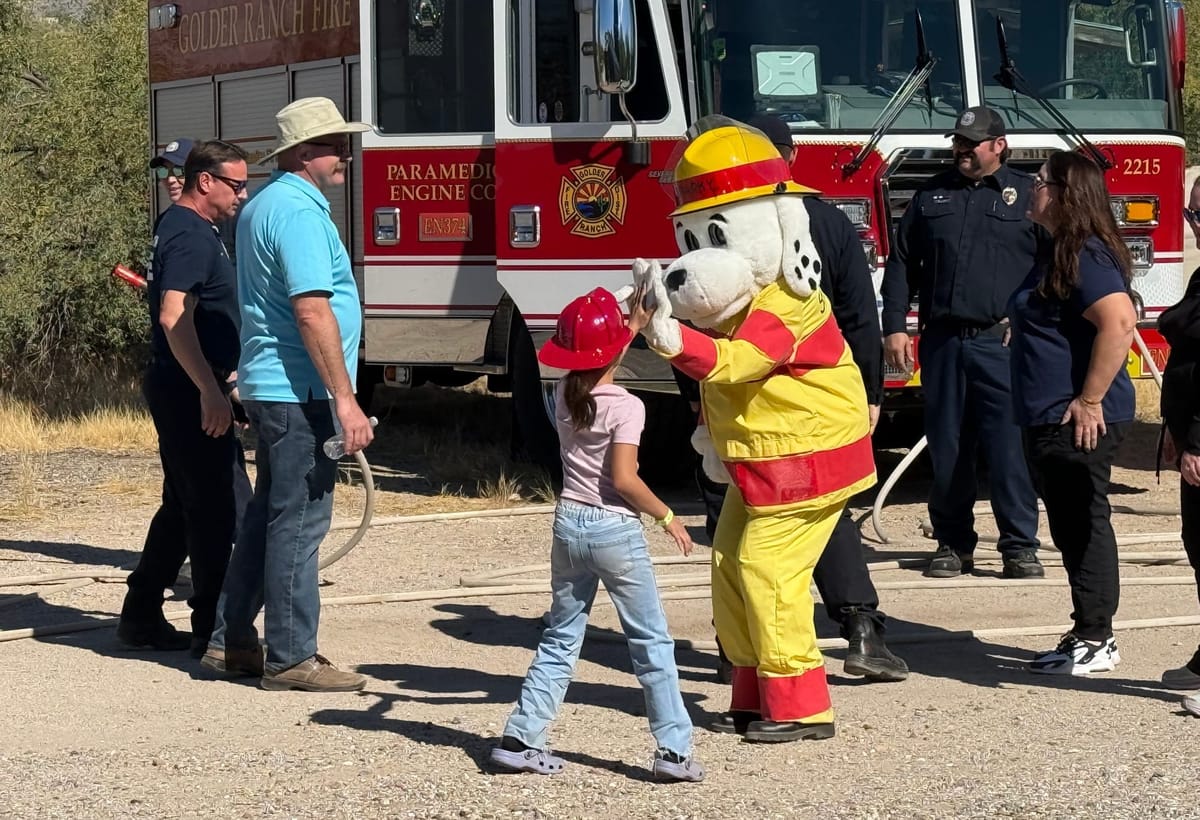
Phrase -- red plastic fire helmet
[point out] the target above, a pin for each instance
(591, 333)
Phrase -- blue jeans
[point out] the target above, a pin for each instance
(274, 563)
(592, 545)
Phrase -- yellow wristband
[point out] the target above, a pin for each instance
(666, 520)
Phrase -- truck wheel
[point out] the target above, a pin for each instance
(369, 377)
(665, 456)
(533, 435)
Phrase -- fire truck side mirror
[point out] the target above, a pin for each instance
(615, 45)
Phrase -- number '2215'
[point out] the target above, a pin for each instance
(1142, 167)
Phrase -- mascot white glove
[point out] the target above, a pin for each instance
(713, 467)
(662, 331)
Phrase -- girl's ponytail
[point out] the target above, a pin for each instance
(577, 393)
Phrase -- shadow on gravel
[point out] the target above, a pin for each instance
(449, 685)
(992, 666)
(377, 717)
(480, 624)
(71, 553)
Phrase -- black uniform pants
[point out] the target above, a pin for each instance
(205, 488)
(1189, 508)
(968, 408)
(1074, 485)
(841, 574)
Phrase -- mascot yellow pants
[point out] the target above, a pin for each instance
(762, 572)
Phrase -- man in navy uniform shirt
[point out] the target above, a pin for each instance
(195, 346)
(964, 245)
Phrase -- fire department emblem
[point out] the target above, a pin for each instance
(1009, 195)
(590, 199)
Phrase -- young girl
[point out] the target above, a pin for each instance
(598, 537)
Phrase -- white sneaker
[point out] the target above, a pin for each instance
(1192, 704)
(1075, 656)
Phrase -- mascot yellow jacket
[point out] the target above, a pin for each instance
(783, 400)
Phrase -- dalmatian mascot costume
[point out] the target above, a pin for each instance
(785, 409)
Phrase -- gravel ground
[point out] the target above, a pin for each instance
(92, 731)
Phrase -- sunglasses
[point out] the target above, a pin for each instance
(238, 185)
(1191, 214)
(342, 149)
(162, 172)
(1039, 183)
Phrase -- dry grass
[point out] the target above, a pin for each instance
(23, 498)
(26, 429)
(1147, 393)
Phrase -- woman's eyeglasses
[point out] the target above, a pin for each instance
(1192, 215)
(162, 172)
(1039, 183)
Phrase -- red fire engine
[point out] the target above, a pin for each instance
(521, 151)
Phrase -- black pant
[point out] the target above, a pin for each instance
(968, 408)
(205, 488)
(1074, 485)
(1189, 509)
(841, 574)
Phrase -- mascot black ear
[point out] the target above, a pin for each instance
(801, 265)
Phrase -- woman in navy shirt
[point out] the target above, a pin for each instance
(1072, 324)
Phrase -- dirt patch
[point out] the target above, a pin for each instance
(96, 732)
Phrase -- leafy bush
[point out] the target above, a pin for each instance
(74, 197)
(1191, 88)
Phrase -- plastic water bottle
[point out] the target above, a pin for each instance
(335, 445)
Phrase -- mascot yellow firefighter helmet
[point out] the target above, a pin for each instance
(725, 161)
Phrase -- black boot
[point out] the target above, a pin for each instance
(868, 656)
(724, 667)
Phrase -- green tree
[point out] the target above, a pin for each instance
(74, 193)
(1191, 88)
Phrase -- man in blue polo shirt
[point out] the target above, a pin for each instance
(301, 325)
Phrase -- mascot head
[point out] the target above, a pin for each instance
(738, 224)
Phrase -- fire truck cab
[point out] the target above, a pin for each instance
(521, 149)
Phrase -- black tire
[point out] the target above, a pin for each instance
(665, 456)
(533, 436)
(370, 376)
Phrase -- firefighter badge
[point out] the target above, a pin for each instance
(591, 199)
(1009, 195)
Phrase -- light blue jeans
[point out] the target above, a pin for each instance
(274, 564)
(592, 545)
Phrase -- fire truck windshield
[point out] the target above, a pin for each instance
(1105, 64)
(833, 66)
(824, 65)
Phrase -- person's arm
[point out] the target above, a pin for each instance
(1115, 319)
(627, 482)
(176, 316)
(307, 265)
(323, 340)
(898, 348)
(853, 301)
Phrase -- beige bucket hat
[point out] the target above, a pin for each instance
(308, 118)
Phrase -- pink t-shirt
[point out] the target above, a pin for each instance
(587, 454)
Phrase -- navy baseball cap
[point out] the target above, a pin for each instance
(978, 124)
(174, 153)
(777, 131)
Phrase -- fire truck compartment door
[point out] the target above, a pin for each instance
(571, 210)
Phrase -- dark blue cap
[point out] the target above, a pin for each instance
(175, 153)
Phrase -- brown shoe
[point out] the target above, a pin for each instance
(234, 663)
(313, 675)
